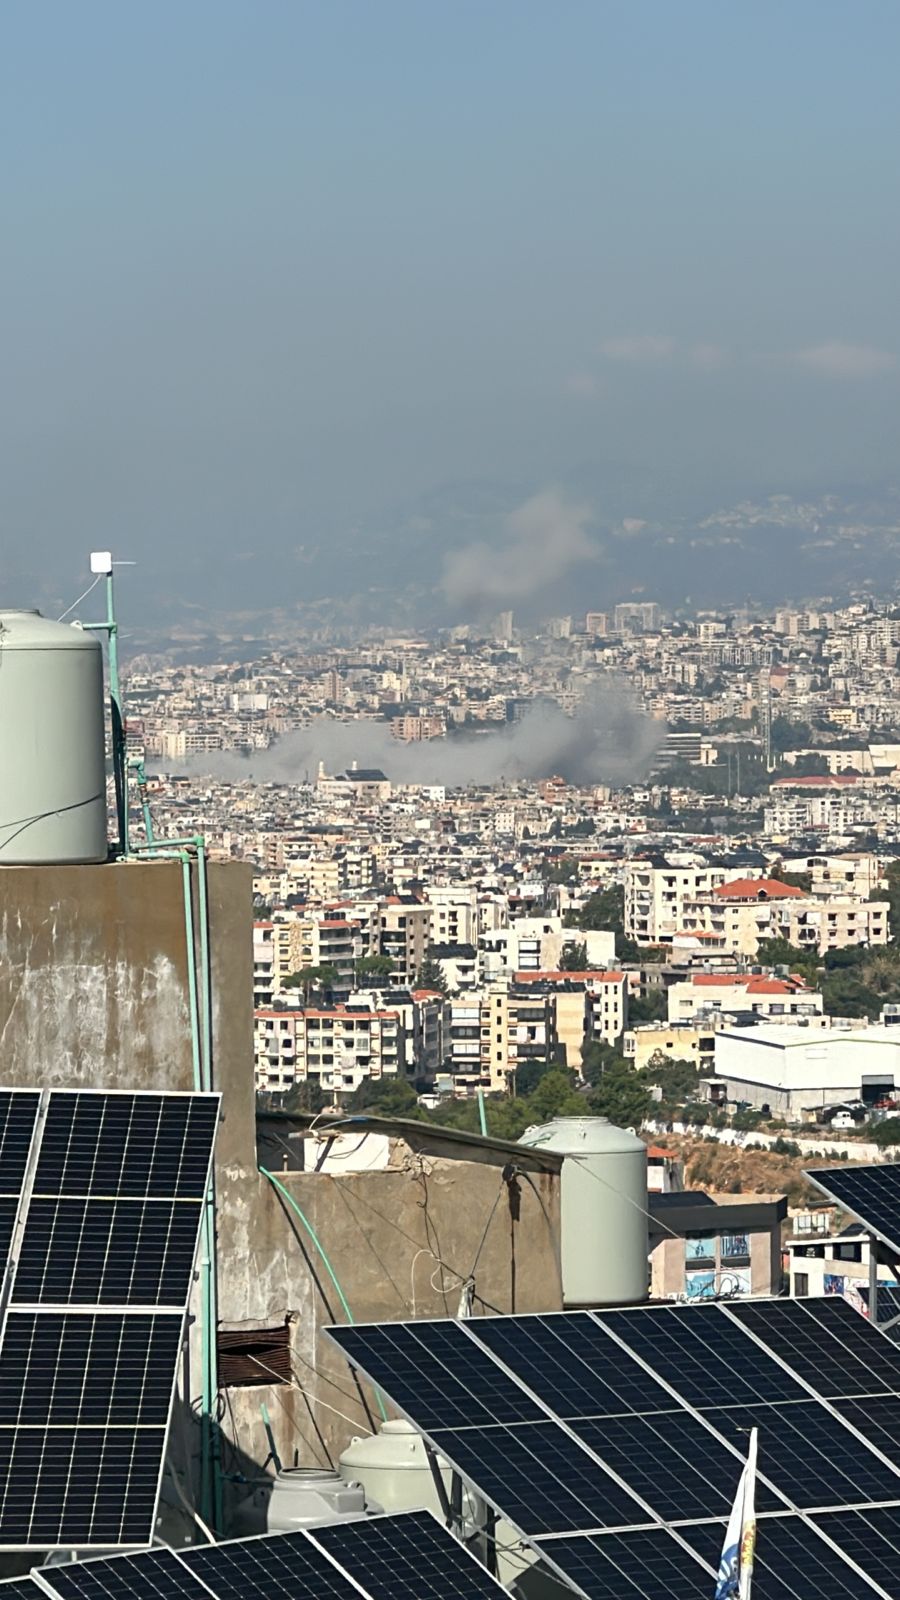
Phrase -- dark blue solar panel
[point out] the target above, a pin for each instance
(571, 1364)
(152, 1575)
(406, 1558)
(673, 1462)
(877, 1419)
(78, 1486)
(827, 1342)
(650, 1564)
(285, 1567)
(791, 1563)
(540, 1478)
(124, 1146)
(809, 1455)
(705, 1356)
(436, 1373)
(88, 1371)
(107, 1252)
(18, 1111)
(870, 1538)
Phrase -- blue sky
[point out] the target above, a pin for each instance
(273, 271)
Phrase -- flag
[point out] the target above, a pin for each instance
(736, 1565)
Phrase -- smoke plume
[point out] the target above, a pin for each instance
(541, 541)
(608, 740)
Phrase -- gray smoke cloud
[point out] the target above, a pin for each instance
(608, 740)
(541, 541)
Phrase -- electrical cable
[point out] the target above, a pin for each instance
(91, 586)
(286, 1195)
(21, 823)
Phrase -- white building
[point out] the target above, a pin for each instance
(794, 1069)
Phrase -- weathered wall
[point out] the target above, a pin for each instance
(400, 1243)
(93, 982)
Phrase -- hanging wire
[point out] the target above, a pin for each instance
(88, 590)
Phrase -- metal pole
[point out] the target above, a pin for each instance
(118, 719)
(873, 1280)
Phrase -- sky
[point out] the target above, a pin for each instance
(276, 273)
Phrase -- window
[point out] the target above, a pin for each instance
(735, 1247)
(700, 1247)
(801, 1283)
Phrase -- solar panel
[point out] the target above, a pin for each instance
(406, 1557)
(792, 1561)
(705, 1356)
(872, 1194)
(808, 1454)
(437, 1373)
(540, 1478)
(77, 1486)
(671, 1454)
(871, 1539)
(571, 1364)
(152, 1575)
(107, 1252)
(827, 1339)
(287, 1566)
(88, 1371)
(643, 1565)
(109, 1224)
(673, 1462)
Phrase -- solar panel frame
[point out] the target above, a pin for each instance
(132, 1454)
(407, 1555)
(847, 1186)
(643, 1564)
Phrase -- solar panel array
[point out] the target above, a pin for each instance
(872, 1194)
(407, 1556)
(614, 1440)
(101, 1195)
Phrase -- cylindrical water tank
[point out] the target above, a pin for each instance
(52, 765)
(603, 1209)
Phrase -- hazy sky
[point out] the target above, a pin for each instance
(273, 269)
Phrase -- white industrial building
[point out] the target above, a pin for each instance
(793, 1069)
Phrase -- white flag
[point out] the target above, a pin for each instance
(736, 1565)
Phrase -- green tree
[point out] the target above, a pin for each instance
(431, 976)
(886, 1132)
(620, 1096)
(387, 1097)
(649, 1007)
(306, 1095)
(574, 958)
(677, 1079)
(374, 967)
(562, 870)
(781, 953)
(310, 980)
(596, 1056)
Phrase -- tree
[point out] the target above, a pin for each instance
(563, 870)
(596, 1056)
(620, 1096)
(431, 976)
(307, 1094)
(374, 967)
(649, 1007)
(678, 1080)
(387, 1097)
(322, 979)
(574, 958)
(605, 909)
(781, 953)
(886, 1132)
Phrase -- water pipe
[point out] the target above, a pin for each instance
(314, 1237)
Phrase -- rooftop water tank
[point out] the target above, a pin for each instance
(604, 1209)
(52, 721)
(298, 1497)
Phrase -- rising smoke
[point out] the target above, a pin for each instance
(608, 740)
(541, 541)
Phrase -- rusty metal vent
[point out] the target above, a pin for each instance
(249, 1356)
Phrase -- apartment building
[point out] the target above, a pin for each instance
(405, 935)
(707, 994)
(335, 1047)
(454, 913)
(737, 915)
(494, 1031)
(656, 894)
(587, 1005)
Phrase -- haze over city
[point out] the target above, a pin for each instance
(311, 300)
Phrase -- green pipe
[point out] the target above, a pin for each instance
(286, 1195)
(211, 1318)
(482, 1114)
